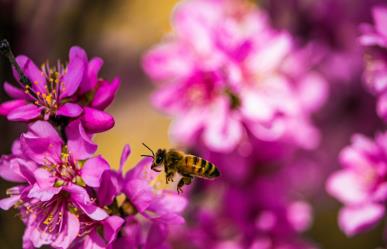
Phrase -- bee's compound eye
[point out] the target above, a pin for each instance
(159, 159)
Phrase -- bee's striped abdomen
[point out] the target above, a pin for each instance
(201, 167)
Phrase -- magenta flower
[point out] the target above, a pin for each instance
(375, 40)
(59, 91)
(236, 78)
(55, 194)
(159, 208)
(362, 184)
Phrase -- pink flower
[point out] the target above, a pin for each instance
(374, 38)
(227, 75)
(143, 206)
(55, 194)
(57, 92)
(362, 183)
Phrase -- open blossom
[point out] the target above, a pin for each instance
(59, 91)
(54, 191)
(227, 75)
(374, 38)
(362, 183)
(148, 211)
(66, 199)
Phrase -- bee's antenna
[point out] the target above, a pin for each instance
(148, 149)
(147, 156)
(5, 49)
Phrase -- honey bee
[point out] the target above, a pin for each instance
(187, 166)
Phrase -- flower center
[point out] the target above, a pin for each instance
(49, 97)
(48, 215)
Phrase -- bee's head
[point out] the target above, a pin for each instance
(159, 157)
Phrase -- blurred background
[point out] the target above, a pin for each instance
(120, 31)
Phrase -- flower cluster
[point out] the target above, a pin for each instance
(361, 185)
(241, 95)
(67, 196)
(374, 38)
(229, 79)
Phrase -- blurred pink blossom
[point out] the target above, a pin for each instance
(227, 76)
(374, 38)
(362, 183)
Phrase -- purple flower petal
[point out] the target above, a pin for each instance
(42, 143)
(15, 92)
(142, 171)
(93, 169)
(16, 169)
(9, 106)
(111, 227)
(24, 113)
(124, 156)
(105, 94)
(156, 236)
(69, 110)
(80, 196)
(77, 52)
(91, 80)
(68, 233)
(73, 77)
(140, 194)
(96, 121)
(43, 189)
(353, 220)
(93, 241)
(32, 72)
(43, 194)
(110, 187)
(79, 142)
(380, 16)
(7, 203)
(346, 186)
(169, 203)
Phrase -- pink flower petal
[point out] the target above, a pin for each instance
(93, 169)
(124, 156)
(300, 215)
(24, 113)
(111, 227)
(139, 193)
(69, 110)
(9, 106)
(79, 143)
(41, 194)
(167, 61)
(105, 94)
(224, 132)
(345, 186)
(353, 220)
(15, 92)
(32, 72)
(73, 77)
(110, 187)
(96, 121)
(380, 16)
(69, 232)
(80, 196)
(42, 143)
(7, 203)
(91, 80)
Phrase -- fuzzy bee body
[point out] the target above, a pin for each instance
(199, 167)
(188, 166)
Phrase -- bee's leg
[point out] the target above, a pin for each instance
(185, 180)
(169, 177)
